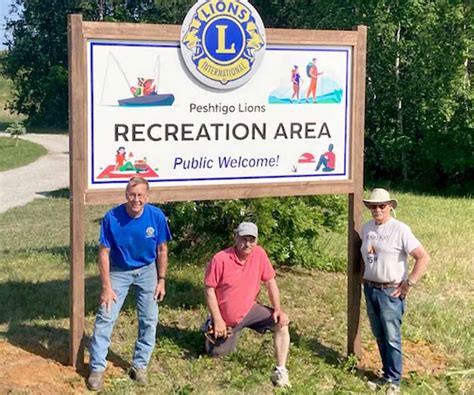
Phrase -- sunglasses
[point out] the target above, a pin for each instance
(380, 206)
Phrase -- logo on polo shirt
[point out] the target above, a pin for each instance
(150, 232)
(222, 42)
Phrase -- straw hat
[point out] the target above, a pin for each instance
(379, 195)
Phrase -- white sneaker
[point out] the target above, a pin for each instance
(280, 378)
(393, 389)
(376, 384)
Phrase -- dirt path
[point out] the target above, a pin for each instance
(49, 173)
(25, 372)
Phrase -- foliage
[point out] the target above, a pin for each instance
(290, 228)
(16, 129)
(36, 60)
(419, 121)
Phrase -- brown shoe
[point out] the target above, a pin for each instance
(95, 381)
(139, 375)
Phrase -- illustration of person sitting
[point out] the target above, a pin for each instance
(297, 81)
(328, 160)
(145, 87)
(122, 164)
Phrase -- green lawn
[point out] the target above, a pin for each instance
(16, 153)
(438, 328)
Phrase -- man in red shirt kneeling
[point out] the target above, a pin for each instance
(232, 284)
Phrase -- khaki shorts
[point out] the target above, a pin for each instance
(259, 318)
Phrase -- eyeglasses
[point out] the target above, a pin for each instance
(380, 206)
(133, 196)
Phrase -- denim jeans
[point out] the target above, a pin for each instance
(144, 280)
(385, 315)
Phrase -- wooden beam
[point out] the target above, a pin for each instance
(147, 31)
(115, 196)
(355, 198)
(77, 152)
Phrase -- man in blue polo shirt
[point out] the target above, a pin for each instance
(132, 251)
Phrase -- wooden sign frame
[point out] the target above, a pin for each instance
(79, 32)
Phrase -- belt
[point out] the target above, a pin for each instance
(374, 284)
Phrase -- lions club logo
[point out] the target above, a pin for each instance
(222, 42)
(150, 232)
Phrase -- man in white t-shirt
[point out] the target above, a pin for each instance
(386, 245)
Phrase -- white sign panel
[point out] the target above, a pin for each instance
(148, 116)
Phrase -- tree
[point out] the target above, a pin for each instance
(37, 58)
(419, 123)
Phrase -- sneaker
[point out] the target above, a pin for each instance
(376, 384)
(280, 378)
(139, 375)
(95, 381)
(393, 389)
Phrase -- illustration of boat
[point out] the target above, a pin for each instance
(153, 99)
(145, 91)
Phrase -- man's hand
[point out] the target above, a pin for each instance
(401, 291)
(107, 297)
(220, 329)
(160, 290)
(280, 318)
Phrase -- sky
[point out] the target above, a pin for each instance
(4, 9)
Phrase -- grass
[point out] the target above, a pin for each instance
(34, 311)
(16, 152)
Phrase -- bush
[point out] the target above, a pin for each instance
(16, 129)
(289, 228)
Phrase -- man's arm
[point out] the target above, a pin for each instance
(161, 267)
(107, 295)
(274, 295)
(421, 264)
(220, 327)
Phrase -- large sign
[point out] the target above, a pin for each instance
(147, 115)
(188, 108)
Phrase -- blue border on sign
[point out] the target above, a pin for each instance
(277, 177)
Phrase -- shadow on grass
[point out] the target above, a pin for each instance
(46, 130)
(190, 341)
(90, 252)
(24, 301)
(183, 294)
(328, 355)
(62, 193)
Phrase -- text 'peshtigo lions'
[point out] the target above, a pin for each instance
(218, 131)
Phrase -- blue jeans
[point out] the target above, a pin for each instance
(385, 315)
(144, 279)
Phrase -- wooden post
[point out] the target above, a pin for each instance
(355, 199)
(77, 151)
